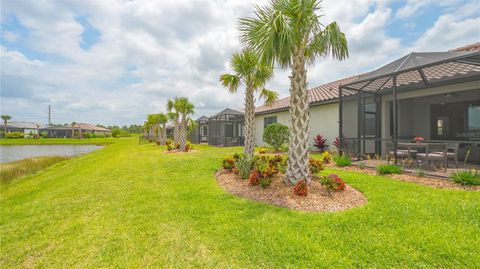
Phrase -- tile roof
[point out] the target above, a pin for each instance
(83, 126)
(329, 91)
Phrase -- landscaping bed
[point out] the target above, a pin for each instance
(281, 194)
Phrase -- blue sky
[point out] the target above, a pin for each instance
(113, 62)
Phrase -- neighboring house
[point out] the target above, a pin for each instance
(226, 128)
(438, 98)
(80, 128)
(26, 127)
(200, 133)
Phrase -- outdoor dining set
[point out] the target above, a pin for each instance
(425, 152)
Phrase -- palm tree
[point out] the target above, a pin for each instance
(73, 129)
(289, 33)
(163, 119)
(153, 122)
(175, 117)
(5, 119)
(253, 75)
(185, 109)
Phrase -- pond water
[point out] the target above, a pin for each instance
(18, 152)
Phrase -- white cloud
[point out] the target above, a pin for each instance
(149, 51)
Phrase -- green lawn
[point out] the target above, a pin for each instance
(59, 141)
(133, 206)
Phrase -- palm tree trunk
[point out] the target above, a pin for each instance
(249, 122)
(176, 132)
(5, 128)
(297, 168)
(183, 134)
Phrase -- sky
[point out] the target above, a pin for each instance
(113, 62)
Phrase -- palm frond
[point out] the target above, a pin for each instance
(230, 81)
(269, 96)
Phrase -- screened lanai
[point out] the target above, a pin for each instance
(226, 128)
(200, 132)
(420, 97)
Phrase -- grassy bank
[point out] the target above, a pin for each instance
(133, 206)
(25, 167)
(59, 141)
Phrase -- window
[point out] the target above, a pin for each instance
(473, 117)
(269, 120)
(370, 120)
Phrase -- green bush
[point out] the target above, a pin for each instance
(244, 165)
(342, 161)
(276, 135)
(389, 169)
(466, 177)
(44, 134)
(14, 135)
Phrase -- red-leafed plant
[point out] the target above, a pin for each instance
(333, 183)
(228, 163)
(336, 142)
(300, 188)
(254, 178)
(320, 143)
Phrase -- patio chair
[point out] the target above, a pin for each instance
(434, 152)
(452, 154)
(401, 153)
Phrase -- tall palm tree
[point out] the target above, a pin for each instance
(73, 129)
(289, 33)
(253, 75)
(185, 109)
(162, 120)
(175, 117)
(5, 119)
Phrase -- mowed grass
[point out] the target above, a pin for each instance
(134, 206)
(60, 141)
(29, 166)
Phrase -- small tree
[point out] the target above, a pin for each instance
(276, 135)
(5, 119)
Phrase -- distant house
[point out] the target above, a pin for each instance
(80, 128)
(26, 127)
(199, 134)
(226, 128)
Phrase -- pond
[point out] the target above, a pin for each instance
(18, 152)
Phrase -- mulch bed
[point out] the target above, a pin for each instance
(281, 194)
(438, 183)
(179, 151)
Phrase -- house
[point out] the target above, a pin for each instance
(226, 128)
(433, 95)
(199, 134)
(79, 129)
(28, 128)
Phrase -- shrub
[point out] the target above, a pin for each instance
(389, 169)
(44, 134)
(188, 146)
(466, 177)
(254, 178)
(158, 143)
(265, 182)
(420, 173)
(228, 163)
(342, 161)
(315, 166)
(236, 156)
(326, 156)
(262, 150)
(14, 135)
(244, 166)
(336, 143)
(301, 188)
(276, 135)
(333, 182)
(177, 146)
(320, 143)
(169, 144)
(88, 135)
(362, 165)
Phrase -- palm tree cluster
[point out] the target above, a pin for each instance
(179, 111)
(287, 33)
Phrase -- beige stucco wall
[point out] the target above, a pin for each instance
(323, 120)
